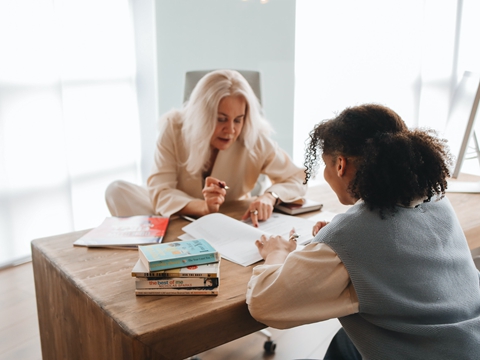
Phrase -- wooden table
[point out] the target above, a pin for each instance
(467, 207)
(87, 308)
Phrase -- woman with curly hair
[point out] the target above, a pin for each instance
(218, 140)
(395, 269)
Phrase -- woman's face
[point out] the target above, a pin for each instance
(230, 120)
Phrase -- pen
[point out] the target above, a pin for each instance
(223, 186)
(187, 218)
(294, 236)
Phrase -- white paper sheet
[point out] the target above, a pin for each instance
(235, 240)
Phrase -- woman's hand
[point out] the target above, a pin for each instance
(214, 193)
(275, 249)
(318, 226)
(260, 209)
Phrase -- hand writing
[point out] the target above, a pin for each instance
(214, 194)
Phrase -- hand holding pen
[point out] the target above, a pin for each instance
(214, 193)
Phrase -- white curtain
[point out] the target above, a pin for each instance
(68, 116)
(405, 54)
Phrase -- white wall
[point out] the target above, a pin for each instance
(236, 34)
(352, 52)
(326, 55)
(143, 16)
(405, 54)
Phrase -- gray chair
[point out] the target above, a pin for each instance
(253, 78)
(192, 78)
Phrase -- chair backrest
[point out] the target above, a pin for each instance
(192, 78)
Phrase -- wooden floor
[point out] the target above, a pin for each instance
(19, 335)
(20, 339)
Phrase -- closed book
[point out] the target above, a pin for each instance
(177, 254)
(177, 283)
(126, 232)
(299, 207)
(194, 291)
(211, 270)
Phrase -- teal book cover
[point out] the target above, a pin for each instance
(177, 254)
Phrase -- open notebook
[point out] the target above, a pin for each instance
(235, 239)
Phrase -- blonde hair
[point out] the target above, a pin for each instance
(200, 116)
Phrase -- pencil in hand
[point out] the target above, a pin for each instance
(223, 186)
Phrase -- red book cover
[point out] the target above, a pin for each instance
(129, 232)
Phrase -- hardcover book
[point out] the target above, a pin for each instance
(299, 207)
(126, 232)
(177, 254)
(176, 283)
(211, 270)
(191, 291)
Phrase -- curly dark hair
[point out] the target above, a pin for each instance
(394, 165)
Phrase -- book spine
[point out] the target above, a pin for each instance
(173, 274)
(176, 292)
(183, 262)
(176, 283)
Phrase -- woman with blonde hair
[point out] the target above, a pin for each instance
(211, 151)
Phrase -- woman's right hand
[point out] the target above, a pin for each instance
(214, 193)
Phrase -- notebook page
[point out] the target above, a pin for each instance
(235, 240)
(281, 224)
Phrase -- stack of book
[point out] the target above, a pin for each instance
(190, 267)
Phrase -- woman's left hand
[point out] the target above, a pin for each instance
(260, 209)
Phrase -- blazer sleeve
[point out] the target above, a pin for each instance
(162, 183)
(287, 178)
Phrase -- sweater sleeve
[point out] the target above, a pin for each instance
(312, 285)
